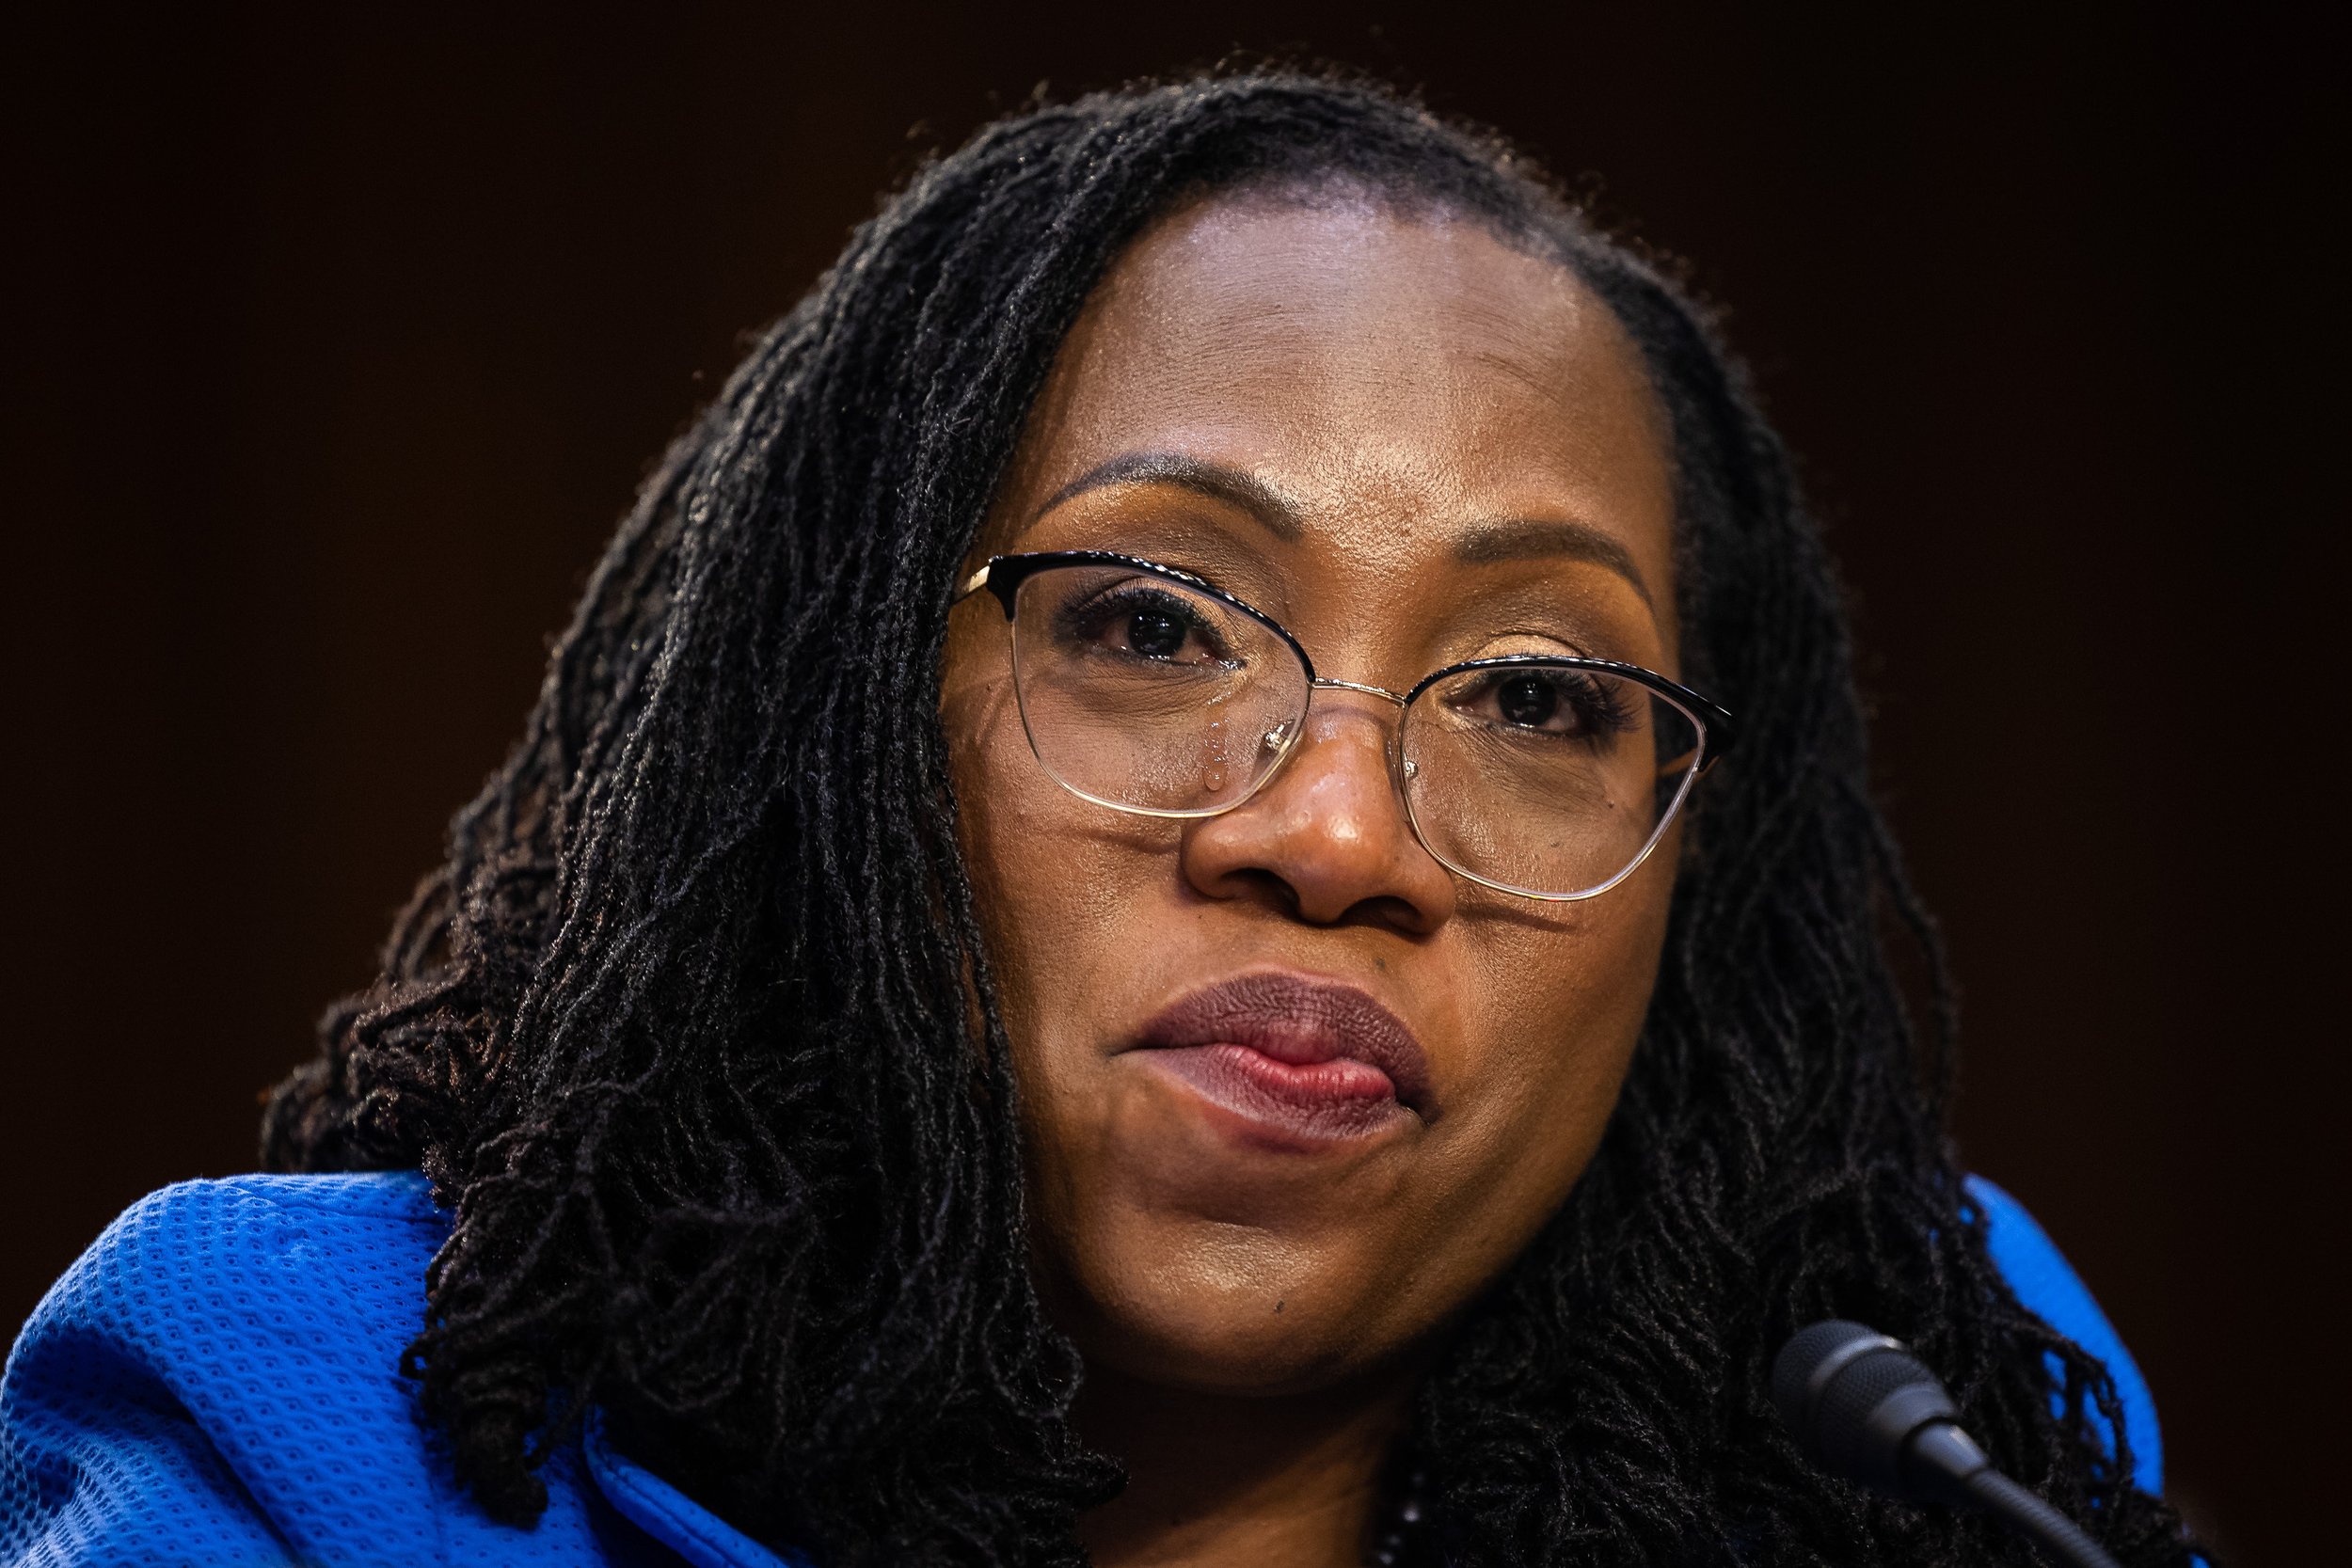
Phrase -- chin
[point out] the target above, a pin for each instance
(1234, 1311)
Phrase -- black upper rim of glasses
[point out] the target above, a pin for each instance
(1005, 573)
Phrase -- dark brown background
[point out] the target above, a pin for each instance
(344, 339)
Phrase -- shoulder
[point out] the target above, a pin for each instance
(217, 1379)
(2047, 1285)
(169, 1261)
(224, 1288)
(219, 1367)
(289, 1293)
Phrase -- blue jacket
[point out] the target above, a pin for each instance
(216, 1383)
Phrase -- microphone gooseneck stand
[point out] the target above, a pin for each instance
(1862, 1406)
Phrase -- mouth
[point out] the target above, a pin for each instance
(1309, 1061)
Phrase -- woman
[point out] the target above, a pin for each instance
(1118, 932)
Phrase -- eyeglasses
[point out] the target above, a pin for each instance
(1151, 690)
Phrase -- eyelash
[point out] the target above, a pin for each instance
(1600, 711)
(1084, 621)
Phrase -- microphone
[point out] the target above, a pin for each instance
(1862, 1406)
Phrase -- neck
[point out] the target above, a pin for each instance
(1220, 1479)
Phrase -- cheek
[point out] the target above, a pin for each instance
(1560, 1012)
(1005, 808)
(1055, 880)
(1073, 901)
(1549, 1009)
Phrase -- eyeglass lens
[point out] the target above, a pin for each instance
(1142, 693)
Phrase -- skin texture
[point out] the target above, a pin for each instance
(1254, 1315)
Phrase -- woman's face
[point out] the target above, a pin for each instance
(1411, 445)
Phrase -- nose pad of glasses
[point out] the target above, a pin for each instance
(1343, 706)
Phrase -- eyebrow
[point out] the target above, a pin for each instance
(1481, 544)
(1216, 481)
(1536, 538)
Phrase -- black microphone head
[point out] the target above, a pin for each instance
(1807, 1350)
(1854, 1399)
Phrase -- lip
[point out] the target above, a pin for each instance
(1316, 1059)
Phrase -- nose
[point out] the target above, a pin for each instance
(1326, 837)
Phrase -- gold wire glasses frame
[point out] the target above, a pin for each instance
(1149, 690)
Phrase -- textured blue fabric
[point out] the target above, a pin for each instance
(216, 1383)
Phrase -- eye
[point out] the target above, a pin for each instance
(1155, 633)
(1570, 704)
(1527, 701)
(1143, 621)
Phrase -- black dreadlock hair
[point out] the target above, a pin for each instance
(684, 1028)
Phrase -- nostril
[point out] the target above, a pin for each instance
(1266, 884)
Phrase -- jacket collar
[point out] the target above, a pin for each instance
(667, 1515)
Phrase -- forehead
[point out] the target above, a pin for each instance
(1397, 378)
